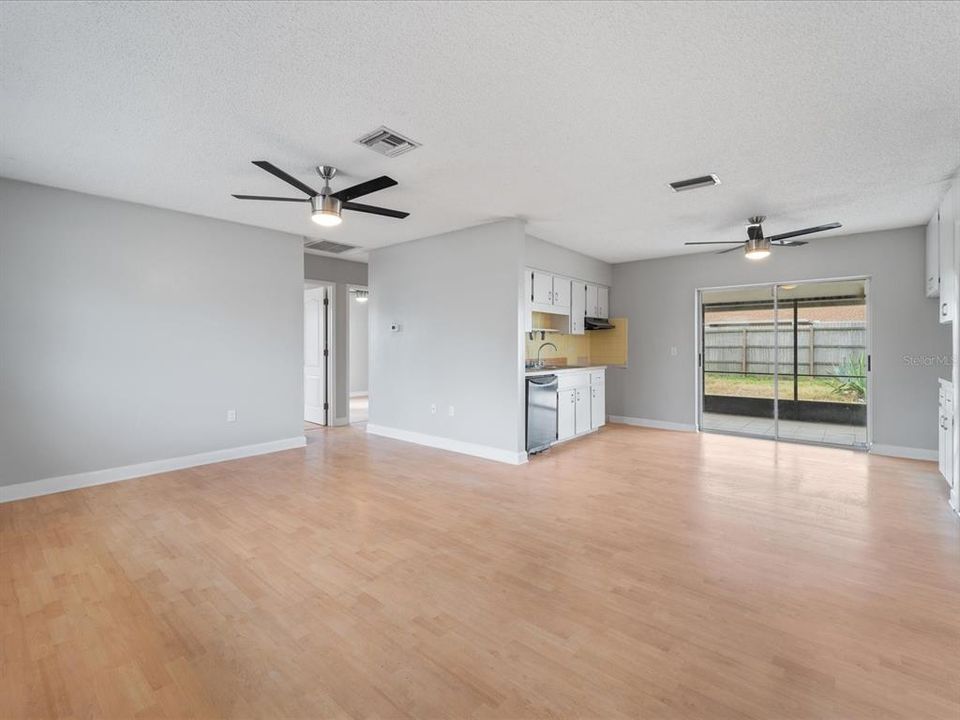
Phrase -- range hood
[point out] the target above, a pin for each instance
(597, 324)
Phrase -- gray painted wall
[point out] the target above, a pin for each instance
(543, 255)
(359, 345)
(127, 332)
(320, 267)
(342, 273)
(659, 298)
(457, 297)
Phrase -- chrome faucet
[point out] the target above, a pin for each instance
(539, 361)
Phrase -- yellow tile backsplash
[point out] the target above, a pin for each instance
(596, 347)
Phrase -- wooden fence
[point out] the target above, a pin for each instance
(749, 347)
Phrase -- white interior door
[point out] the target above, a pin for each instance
(315, 355)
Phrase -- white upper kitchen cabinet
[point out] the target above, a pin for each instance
(578, 307)
(593, 300)
(598, 301)
(542, 288)
(948, 275)
(933, 256)
(603, 302)
(561, 292)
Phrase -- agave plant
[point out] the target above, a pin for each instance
(850, 377)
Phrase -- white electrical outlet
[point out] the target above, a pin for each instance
(450, 411)
(673, 350)
(231, 415)
(433, 409)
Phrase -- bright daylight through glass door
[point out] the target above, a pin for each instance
(738, 344)
(786, 361)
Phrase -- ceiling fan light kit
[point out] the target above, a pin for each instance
(757, 249)
(757, 246)
(325, 210)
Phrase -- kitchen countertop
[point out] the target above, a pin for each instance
(566, 370)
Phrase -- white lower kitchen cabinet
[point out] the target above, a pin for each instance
(581, 401)
(598, 405)
(566, 414)
(582, 420)
(946, 431)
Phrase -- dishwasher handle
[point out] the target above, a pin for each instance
(543, 380)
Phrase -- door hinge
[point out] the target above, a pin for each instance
(326, 406)
(326, 302)
(699, 359)
(326, 352)
(869, 362)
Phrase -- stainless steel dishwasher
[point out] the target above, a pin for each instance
(541, 412)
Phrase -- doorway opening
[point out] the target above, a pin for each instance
(317, 366)
(359, 353)
(788, 361)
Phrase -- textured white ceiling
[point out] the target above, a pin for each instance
(571, 115)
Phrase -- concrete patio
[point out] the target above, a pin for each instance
(830, 433)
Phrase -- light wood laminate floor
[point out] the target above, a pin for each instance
(635, 573)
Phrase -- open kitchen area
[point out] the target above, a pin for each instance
(570, 340)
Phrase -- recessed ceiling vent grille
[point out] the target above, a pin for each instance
(327, 246)
(694, 183)
(387, 142)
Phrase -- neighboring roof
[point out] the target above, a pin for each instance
(811, 314)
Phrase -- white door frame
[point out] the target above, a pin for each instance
(350, 289)
(868, 339)
(331, 359)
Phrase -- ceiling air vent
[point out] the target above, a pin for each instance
(327, 246)
(694, 183)
(387, 142)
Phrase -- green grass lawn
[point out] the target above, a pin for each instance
(761, 386)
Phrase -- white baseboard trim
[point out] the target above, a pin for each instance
(340, 422)
(904, 452)
(359, 393)
(442, 443)
(47, 486)
(656, 424)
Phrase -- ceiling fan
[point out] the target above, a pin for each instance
(325, 206)
(757, 247)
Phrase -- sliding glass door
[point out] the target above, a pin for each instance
(787, 361)
(738, 341)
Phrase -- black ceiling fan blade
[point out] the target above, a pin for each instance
(721, 252)
(716, 242)
(805, 231)
(267, 197)
(374, 210)
(287, 178)
(365, 188)
(788, 243)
